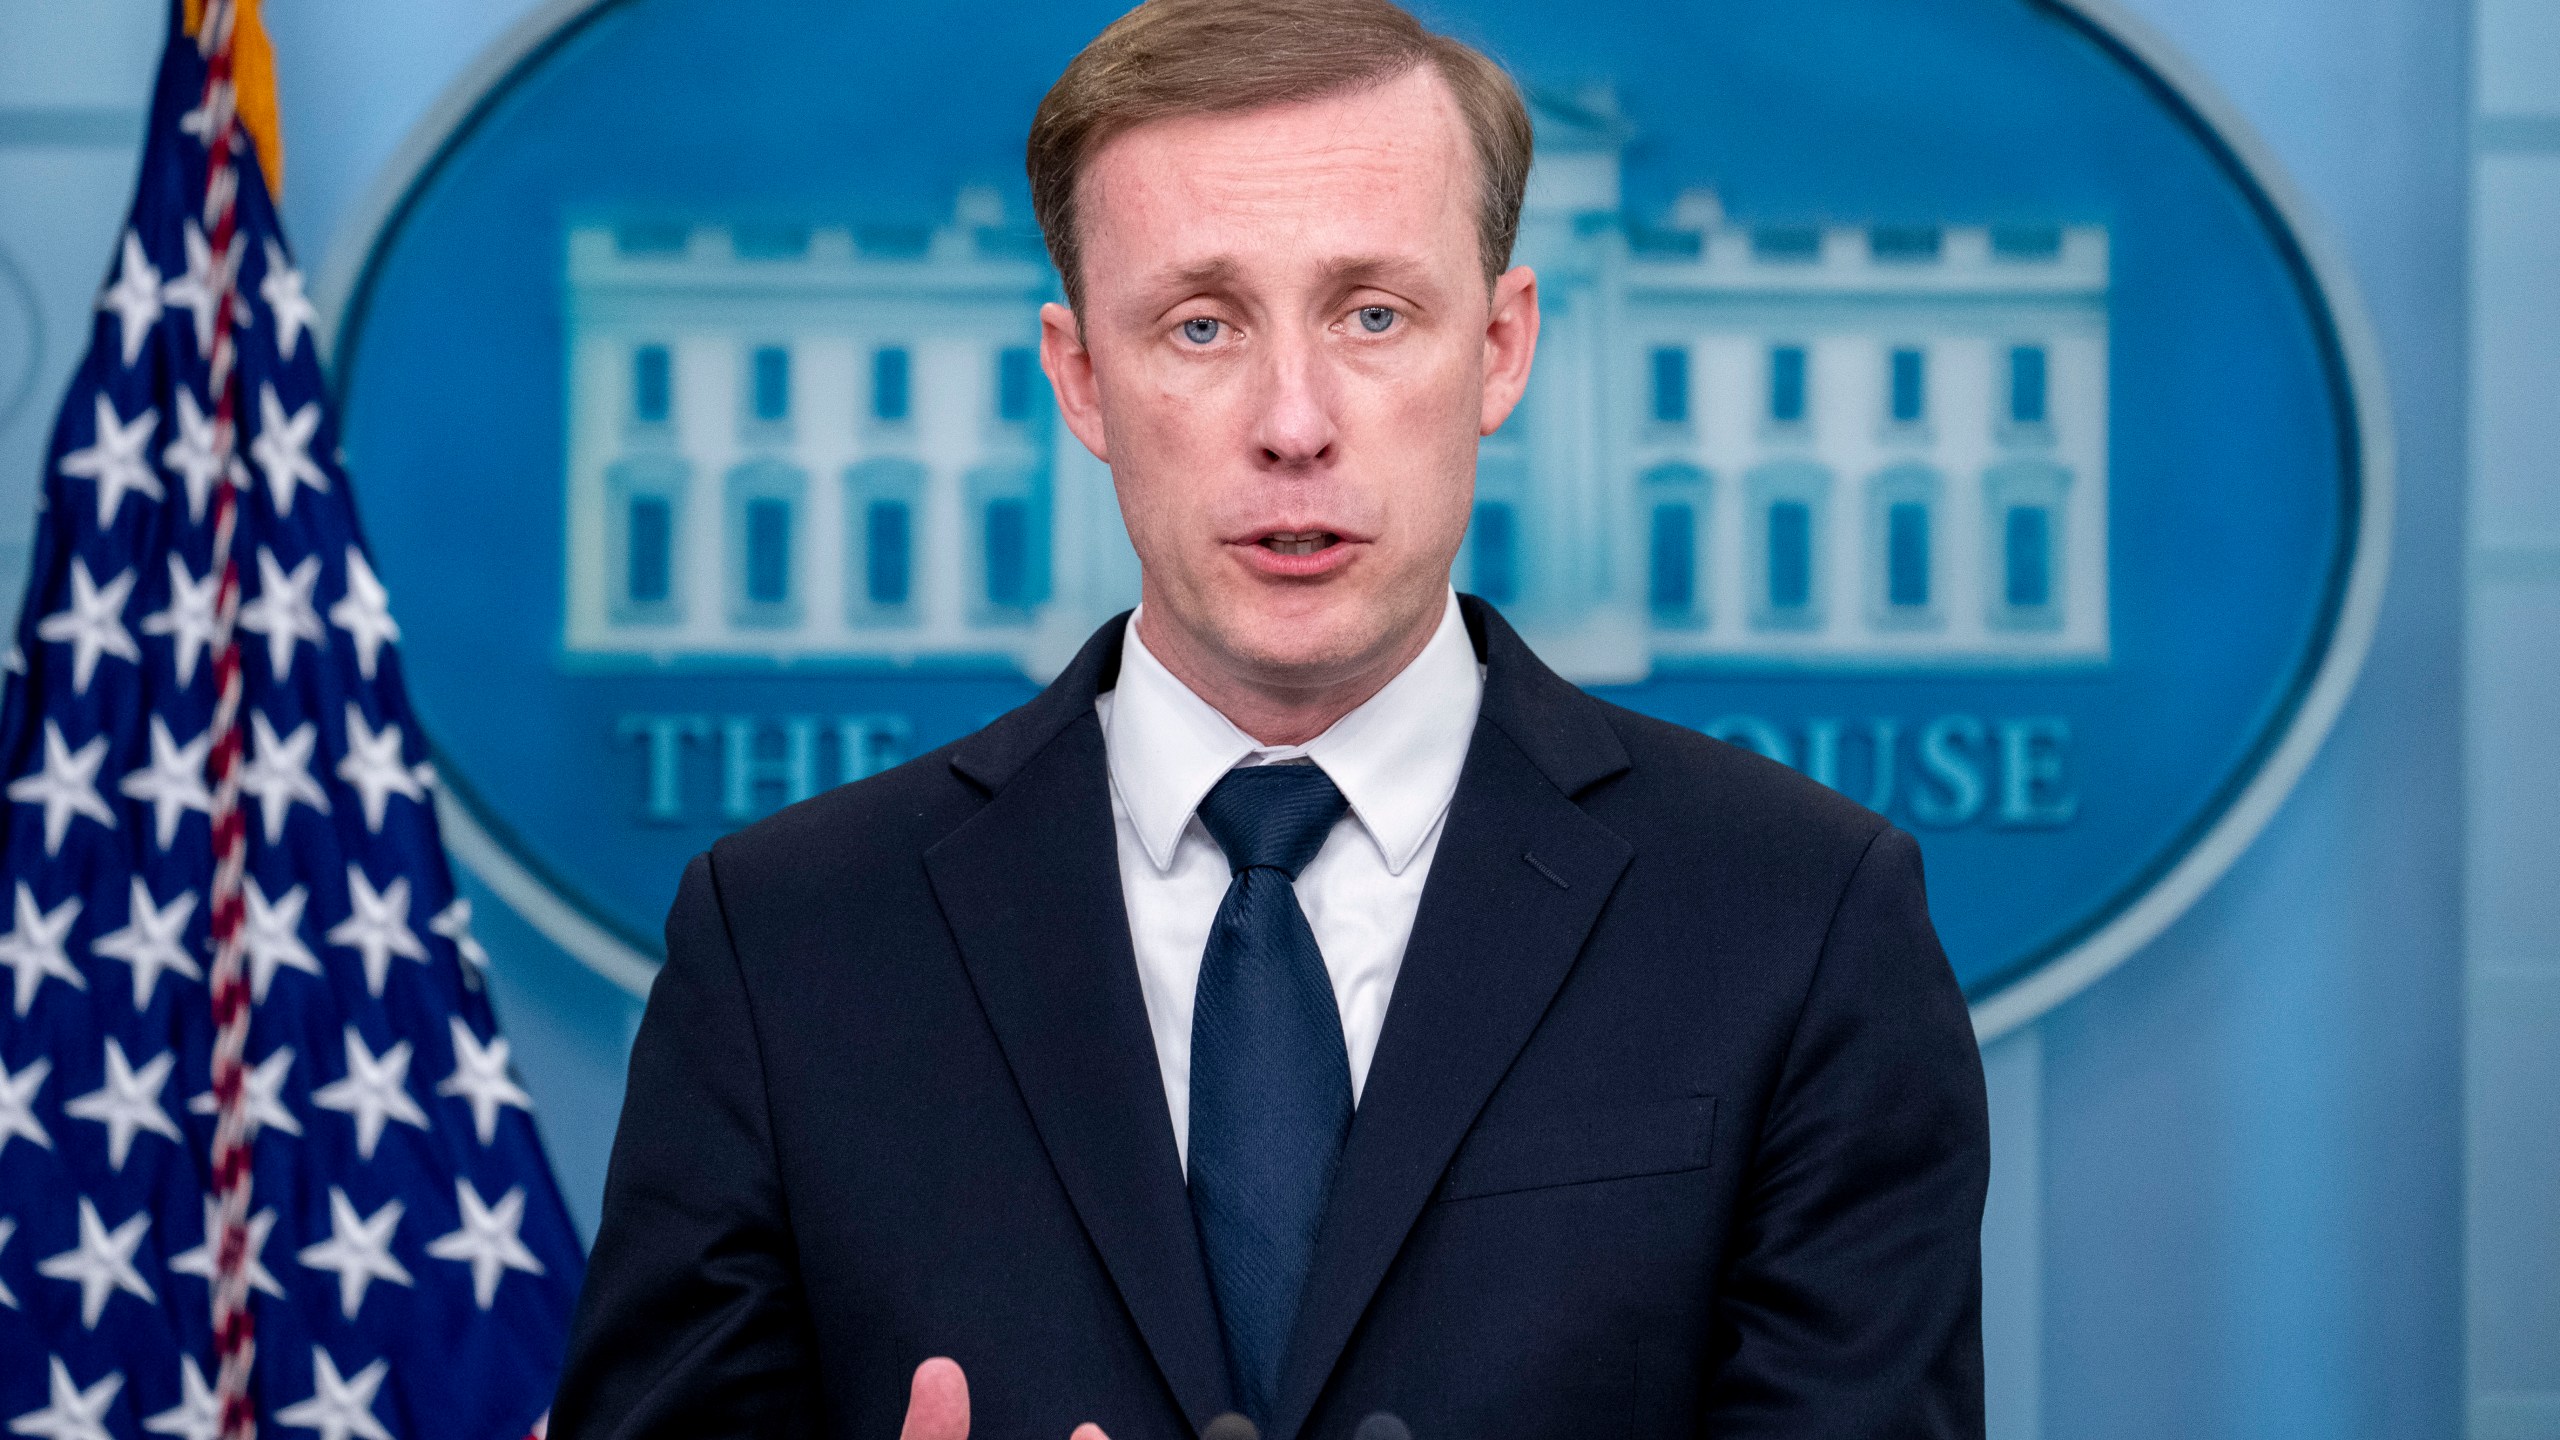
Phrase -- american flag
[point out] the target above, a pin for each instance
(263, 1161)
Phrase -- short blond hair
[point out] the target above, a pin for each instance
(1203, 57)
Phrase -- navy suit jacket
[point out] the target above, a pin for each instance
(1676, 1125)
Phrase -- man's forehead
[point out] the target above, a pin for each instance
(1364, 180)
(1415, 104)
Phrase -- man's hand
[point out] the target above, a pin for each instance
(938, 1405)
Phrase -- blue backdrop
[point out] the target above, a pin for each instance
(2232, 473)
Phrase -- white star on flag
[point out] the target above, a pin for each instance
(153, 940)
(283, 448)
(66, 786)
(453, 922)
(194, 456)
(374, 769)
(128, 1104)
(374, 1092)
(200, 289)
(196, 1416)
(199, 1261)
(189, 619)
(265, 1087)
(379, 928)
(211, 115)
(74, 1414)
(92, 624)
(282, 612)
(117, 459)
(101, 1264)
(34, 948)
(135, 297)
(8, 1296)
(364, 612)
(18, 1105)
(338, 1408)
(282, 290)
(279, 773)
(358, 1249)
(480, 1077)
(274, 936)
(487, 1241)
(173, 783)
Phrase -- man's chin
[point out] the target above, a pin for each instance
(1313, 645)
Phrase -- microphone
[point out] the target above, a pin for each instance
(1231, 1426)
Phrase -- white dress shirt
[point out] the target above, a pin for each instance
(1396, 759)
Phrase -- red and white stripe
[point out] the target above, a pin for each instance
(234, 1327)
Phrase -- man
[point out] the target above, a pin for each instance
(1309, 1005)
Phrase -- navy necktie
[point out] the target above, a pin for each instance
(1270, 1082)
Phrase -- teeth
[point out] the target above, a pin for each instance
(1303, 543)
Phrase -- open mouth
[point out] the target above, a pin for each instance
(1298, 542)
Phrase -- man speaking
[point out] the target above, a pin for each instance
(1309, 1006)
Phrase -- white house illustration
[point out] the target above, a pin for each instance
(1841, 447)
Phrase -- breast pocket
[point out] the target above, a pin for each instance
(1584, 1147)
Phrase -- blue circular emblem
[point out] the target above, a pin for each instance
(1942, 399)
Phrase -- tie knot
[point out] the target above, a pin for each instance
(1272, 816)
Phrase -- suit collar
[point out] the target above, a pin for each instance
(991, 757)
(1559, 729)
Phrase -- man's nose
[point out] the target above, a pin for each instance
(1294, 428)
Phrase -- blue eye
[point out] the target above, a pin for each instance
(1376, 318)
(1200, 330)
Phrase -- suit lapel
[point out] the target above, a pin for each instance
(1031, 889)
(1519, 879)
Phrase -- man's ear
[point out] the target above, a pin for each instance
(1510, 341)
(1070, 366)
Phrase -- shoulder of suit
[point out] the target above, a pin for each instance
(1712, 784)
(855, 828)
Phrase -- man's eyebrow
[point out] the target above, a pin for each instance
(1365, 269)
(1216, 272)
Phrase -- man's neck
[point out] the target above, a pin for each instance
(1277, 712)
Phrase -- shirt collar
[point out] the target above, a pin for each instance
(1396, 758)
